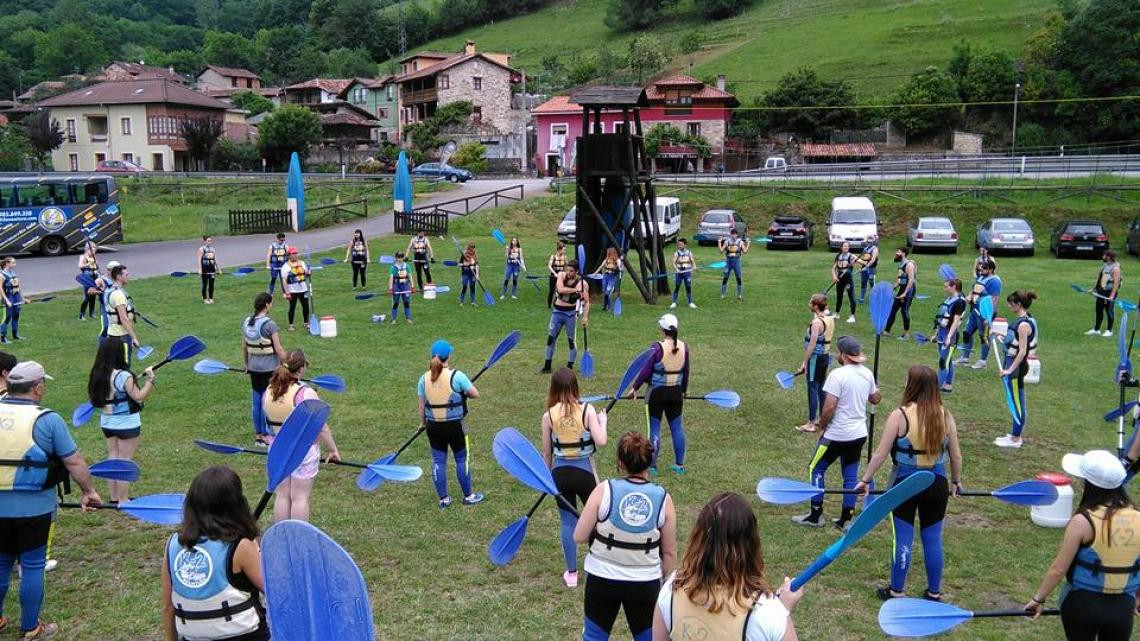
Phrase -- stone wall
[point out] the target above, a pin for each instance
(494, 99)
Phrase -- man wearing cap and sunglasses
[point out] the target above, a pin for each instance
(36, 453)
(843, 419)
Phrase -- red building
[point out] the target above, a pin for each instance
(682, 101)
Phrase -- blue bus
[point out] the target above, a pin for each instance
(53, 215)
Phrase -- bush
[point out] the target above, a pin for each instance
(288, 129)
(691, 42)
(252, 102)
(470, 156)
(229, 155)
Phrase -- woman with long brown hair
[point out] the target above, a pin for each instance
(443, 394)
(919, 435)
(719, 590)
(468, 272)
(610, 268)
(113, 389)
(631, 527)
(357, 252)
(1020, 341)
(571, 434)
(213, 565)
(286, 391)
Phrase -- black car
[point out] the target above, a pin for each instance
(1079, 238)
(791, 231)
(1133, 242)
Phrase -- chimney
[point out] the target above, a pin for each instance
(469, 47)
(720, 82)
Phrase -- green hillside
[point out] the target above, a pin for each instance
(872, 43)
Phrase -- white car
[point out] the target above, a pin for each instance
(852, 220)
(668, 212)
(932, 232)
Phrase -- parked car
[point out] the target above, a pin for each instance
(568, 228)
(775, 163)
(668, 211)
(1005, 234)
(791, 231)
(1133, 242)
(1079, 238)
(442, 172)
(852, 220)
(932, 232)
(119, 167)
(716, 224)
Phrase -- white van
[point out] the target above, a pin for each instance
(668, 212)
(853, 220)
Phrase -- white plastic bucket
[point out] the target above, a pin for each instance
(328, 327)
(999, 327)
(1034, 373)
(429, 292)
(1057, 513)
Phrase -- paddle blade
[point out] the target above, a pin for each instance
(1122, 340)
(144, 351)
(1124, 305)
(185, 347)
(116, 469)
(986, 308)
(596, 398)
(1078, 288)
(244, 270)
(451, 263)
(365, 296)
(882, 297)
(946, 272)
(507, 542)
(720, 264)
(85, 281)
(218, 448)
(179, 274)
(294, 439)
(442, 289)
(328, 261)
(210, 367)
(617, 306)
(785, 379)
(237, 274)
(502, 349)
(907, 617)
(785, 491)
(160, 509)
(587, 364)
(397, 473)
(330, 382)
(368, 479)
(389, 260)
(1116, 412)
(594, 276)
(497, 234)
(82, 413)
(314, 325)
(1027, 493)
(521, 460)
(921, 338)
(488, 299)
(631, 373)
(725, 398)
(581, 258)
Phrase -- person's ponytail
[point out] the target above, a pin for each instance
(672, 334)
(436, 368)
(260, 303)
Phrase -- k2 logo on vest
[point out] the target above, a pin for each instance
(636, 509)
(193, 568)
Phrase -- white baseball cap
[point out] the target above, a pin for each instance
(1099, 467)
(668, 321)
(112, 264)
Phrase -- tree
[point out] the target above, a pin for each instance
(635, 15)
(809, 106)
(70, 48)
(470, 156)
(228, 50)
(349, 63)
(646, 56)
(691, 42)
(201, 135)
(230, 155)
(252, 102)
(288, 129)
(719, 9)
(44, 136)
(930, 86)
(14, 148)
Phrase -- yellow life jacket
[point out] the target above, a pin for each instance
(906, 448)
(668, 371)
(569, 437)
(112, 315)
(1111, 563)
(693, 621)
(24, 466)
(1104, 279)
(441, 401)
(298, 273)
(278, 410)
(610, 266)
(823, 341)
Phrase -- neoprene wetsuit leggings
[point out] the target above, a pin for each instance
(208, 285)
(406, 297)
(274, 276)
(1089, 616)
(668, 402)
(87, 305)
(512, 275)
(359, 271)
(11, 317)
(826, 453)
(423, 270)
(559, 321)
(866, 279)
(575, 481)
(1104, 308)
(930, 507)
(259, 382)
(468, 282)
(816, 373)
(441, 437)
(902, 305)
(304, 298)
(846, 284)
(945, 358)
(687, 279)
(1014, 386)
(975, 325)
(603, 598)
(731, 266)
(24, 540)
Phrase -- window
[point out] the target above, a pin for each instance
(97, 126)
(73, 161)
(559, 130)
(233, 82)
(694, 128)
(156, 162)
(71, 131)
(391, 92)
(381, 113)
(621, 128)
(477, 113)
(125, 126)
(100, 157)
(678, 102)
(128, 157)
(35, 195)
(477, 83)
(444, 81)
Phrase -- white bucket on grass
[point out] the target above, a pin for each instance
(429, 292)
(1057, 513)
(328, 327)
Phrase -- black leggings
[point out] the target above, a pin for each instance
(87, 305)
(208, 285)
(358, 271)
(604, 597)
(1105, 308)
(846, 284)
(423, 270)
(574, 484)
(304, 298)
(549, 290)
(1088, 616)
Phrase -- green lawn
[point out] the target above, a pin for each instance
(427, 569)
(883, 40)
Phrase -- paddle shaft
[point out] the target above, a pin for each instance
(1012, 613)
(109, 505)
(262, 504)
(875, 378)
(1120, 424)
(245, 450)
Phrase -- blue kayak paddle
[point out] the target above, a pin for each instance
(291, 445)
(521, 459)
(329, 382)
(724, 398)
(502, 349)
(82, 413)
(1117, 412)
(159, 509)
(786, 379)
(497, 234)
(398, 473)
(866, 521)
(782, 491)
(182, 349)
(907, 617)
(115, 469)
(882, 299)
(946, 272)
(587, 357)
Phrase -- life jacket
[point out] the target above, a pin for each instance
(278, 254)
(558, 262)
(1104, 280)
(905, 450)
(628, 535)
(419, 245)
(1012, 339)
(359, 251)
(255, 343)
(442, 401)
(120, 403)
(668, 371)
(683, 261)
(843, 264)
(610, 267)
(978, 262)
(693, 621)
(569, 437)
(868, 257)
(903, 278)
(208, 257)
(104, 319)
(298, 273)
(468, 264)
(569, 302)
(113, 318)
(207, 605)
(90, 266)
(277, 411)
(12, 287)
(401, 280)
(24, 466)
(733, 248)
(514, 255)
(823, 341)
(945, 316)
(1109, 569)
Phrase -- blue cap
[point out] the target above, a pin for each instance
(441, 348)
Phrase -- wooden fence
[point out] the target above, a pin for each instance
(259, 221)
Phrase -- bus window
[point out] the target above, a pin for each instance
(60, 194)
(33, 195)
(95, 193)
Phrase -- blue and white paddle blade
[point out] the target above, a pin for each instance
(947, 272)
(595, 398)
(908, 617)
(507, 542)
(144, 351)
(785, 379)
(882, 298)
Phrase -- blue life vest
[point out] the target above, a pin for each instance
(1111, 563)
(868, 256)
(629, 534)
(24, 465)
(106, 321)
(12, 287)
(401, 280)
(206, 603)
(904, 277)
(906, 453)
(442, 402)
(278, 254)
(255, 343)
(945, 314)
(1012, 339)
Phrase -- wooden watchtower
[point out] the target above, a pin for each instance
(615, 194)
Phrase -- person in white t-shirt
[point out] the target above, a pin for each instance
(719, 591)
(843, 420)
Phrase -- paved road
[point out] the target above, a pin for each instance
(39, 274)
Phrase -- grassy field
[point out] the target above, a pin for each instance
(883, 40)
(427, 569)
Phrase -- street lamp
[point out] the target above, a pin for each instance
(1016, 94)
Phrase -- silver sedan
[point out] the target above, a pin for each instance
(932, 232)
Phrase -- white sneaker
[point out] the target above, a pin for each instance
(1007, 441)
(978, 365)
(502, 297)
(50, 565)
(673, 306)
(692, 305)
(962, 360)
(1107, 333)
(851, 318)
(1092, 332)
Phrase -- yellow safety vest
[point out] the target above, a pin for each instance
(24, 466)
(692, 621)
(277, 411)
(569, 437)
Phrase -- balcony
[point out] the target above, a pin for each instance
(98, 137)
(424, 95)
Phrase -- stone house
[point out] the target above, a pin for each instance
(223, 82)
(121, 70)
